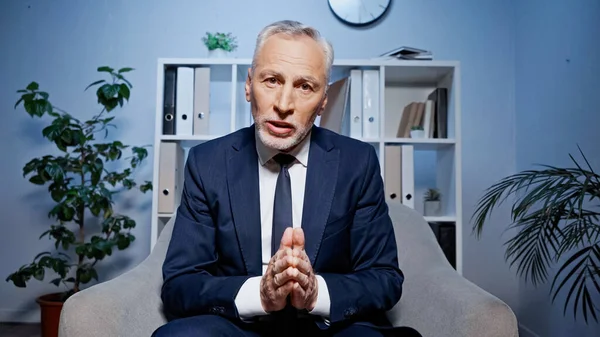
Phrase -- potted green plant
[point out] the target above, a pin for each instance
(556, 220)
(82, 180)
(417, 132)
(219, 44)
(432, 202)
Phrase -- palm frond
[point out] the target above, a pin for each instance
(584, 265)
(553, 216)
(534, 247)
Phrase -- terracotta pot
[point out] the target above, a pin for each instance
(50, 306)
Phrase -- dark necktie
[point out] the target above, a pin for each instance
(282, 207)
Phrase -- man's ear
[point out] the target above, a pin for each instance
(248, 84)
(323, 104)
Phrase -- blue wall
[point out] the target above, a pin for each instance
(60, 44)
(557, 72)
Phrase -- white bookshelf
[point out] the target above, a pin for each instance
(437, 161)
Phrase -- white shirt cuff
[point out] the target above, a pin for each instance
(322, 308)
(247, 300)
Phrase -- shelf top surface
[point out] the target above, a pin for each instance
(374, 62)
(401, 71)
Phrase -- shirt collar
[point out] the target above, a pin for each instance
(300, 152)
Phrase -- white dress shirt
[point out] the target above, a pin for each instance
(247, 300)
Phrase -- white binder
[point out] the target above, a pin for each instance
(371, 98)
(356, 103)
(408, 176)
(170, 179)
(184, 101)
(201, 100)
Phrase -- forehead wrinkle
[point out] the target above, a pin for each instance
(276, 59)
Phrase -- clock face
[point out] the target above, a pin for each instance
(359, 12)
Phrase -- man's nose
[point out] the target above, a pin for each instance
(285, 100)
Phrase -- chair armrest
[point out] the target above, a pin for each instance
(443, 303)
(128, 305)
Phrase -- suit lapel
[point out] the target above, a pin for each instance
(321, 178)
(243, 184)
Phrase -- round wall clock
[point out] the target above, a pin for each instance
(359, 12)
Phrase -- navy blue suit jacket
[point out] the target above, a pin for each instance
(216, 241)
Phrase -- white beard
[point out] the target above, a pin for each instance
(282, 143)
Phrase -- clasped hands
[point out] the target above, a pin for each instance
(289, 273)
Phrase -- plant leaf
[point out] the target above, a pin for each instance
(33, 86)
(124, 70)
(105, 69)
(93, 84)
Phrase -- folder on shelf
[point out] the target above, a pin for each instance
(170, 87)
(371, 98)
(393, 173)
(201, 100)
(170, 178)
(335, 110)
(184, 101)
(428, 119)
(408, 175)
(356, 103)
(440, 99)
(421, 114)
(408, 119)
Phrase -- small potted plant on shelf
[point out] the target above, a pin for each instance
(219, 44)
(417, 132)
(432, 202)
(82, 180)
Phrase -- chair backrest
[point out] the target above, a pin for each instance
(418, 253)
(418, 249)
(159, 252)
(417, 245)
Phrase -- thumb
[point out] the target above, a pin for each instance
(286, 239)
(298, 238)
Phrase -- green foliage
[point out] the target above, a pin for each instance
(432, 194)
(79, 182)
(416, 127)
(225, 41)
(555, 214)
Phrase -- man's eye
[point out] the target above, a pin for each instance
(272, 80)
(306, 87)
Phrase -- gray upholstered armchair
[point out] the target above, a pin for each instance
(436, 300)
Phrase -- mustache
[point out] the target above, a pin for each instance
(277, 121)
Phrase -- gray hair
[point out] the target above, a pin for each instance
(295, 28)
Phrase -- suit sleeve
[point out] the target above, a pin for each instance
(191, 285)
(375, 283)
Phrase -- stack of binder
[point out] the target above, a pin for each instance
(357, 94)
(186, 103)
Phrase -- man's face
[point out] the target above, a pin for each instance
(287, 90)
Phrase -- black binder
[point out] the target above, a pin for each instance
(440, 99)
(170, 92)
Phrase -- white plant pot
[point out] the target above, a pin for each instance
(218, 53)
(417, 133)
(432, 208)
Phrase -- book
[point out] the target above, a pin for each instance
(409, 53)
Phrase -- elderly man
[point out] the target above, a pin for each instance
(282, 229)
